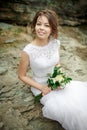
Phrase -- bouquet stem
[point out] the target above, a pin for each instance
(37, 98)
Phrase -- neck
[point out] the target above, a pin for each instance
(41, 42)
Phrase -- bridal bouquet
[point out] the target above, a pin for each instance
(55, 80)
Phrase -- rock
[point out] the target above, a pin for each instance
(13, 120)
(21, 12)
(17, 108)
(11, 40)
(5, 26)
(1, 125)
(71, 23)
(3, 70)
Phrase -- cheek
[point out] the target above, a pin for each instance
(50, 31)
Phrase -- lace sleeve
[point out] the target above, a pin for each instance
(58, 42)
(27, 49)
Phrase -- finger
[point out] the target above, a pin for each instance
(58, 88)
(43, 94)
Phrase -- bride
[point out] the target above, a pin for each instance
(68, 106)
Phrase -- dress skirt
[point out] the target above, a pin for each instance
(68, 106)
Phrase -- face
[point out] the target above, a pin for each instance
(42, 28)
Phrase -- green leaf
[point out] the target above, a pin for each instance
(37, 98)
(54, 87)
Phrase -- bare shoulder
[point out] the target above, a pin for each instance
(24, 55)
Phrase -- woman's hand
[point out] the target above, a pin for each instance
(46, 90)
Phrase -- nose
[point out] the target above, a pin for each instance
(42, 27)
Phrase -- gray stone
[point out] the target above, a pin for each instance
(17, 108)
(1, 125)
(21, 12)
(11, 40)
(3, 70)
(5, 26)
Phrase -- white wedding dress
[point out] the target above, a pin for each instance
(67, 106)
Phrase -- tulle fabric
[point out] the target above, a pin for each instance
(67, 106)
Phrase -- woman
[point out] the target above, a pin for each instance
(67, 106)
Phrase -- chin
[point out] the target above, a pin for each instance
(41, 37)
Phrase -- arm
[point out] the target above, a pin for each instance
(22, 74)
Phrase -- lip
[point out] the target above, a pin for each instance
(41, 33)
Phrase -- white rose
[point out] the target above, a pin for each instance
(59, 78)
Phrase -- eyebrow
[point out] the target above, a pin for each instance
(38, 21)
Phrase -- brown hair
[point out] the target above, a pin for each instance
(52, 18)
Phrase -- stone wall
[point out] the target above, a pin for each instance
(70, 12)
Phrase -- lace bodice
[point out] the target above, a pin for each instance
(43, 59)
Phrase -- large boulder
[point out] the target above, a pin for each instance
(71, 12)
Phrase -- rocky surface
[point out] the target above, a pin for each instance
(17, 108)
(70, 12)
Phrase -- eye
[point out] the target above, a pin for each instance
(38, 23)
(47, 25)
